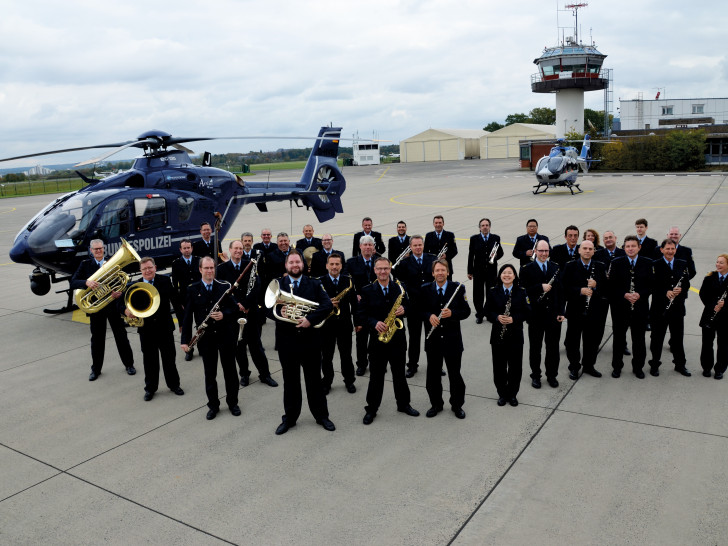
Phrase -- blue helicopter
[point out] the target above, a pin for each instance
(161, 200)
(561, 167)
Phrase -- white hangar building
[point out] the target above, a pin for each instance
(503, 143)
(441, 145)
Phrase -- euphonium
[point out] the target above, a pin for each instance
(111, 277)
(293, 307)
(142, 299)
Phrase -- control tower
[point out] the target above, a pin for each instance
(568, 70)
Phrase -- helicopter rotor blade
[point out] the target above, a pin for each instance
(182, 148)
(133, 144)
(51, 152)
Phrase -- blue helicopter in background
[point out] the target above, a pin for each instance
(561, 167)
(161, 200)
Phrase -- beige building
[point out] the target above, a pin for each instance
(503, 143)
(442, 145)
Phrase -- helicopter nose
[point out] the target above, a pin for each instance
(544, 172)
(20, 253)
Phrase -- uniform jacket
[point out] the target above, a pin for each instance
(560, 255)
(532, 278)
(434, 246)
(603, 255)
(710, 293)
(318, 262)
(447, 336)
(356, 268)
(303, 244)
(414, 275)
(682, 253)
(201, 248)
(374, 307)
(574, 278)
(479, 254)
(199, 304)
(162, 318)
(226, 272)
(648, 246)
(495, 305)
(379, 247)
(664, 279)
(347, 305)
(619, 284)
(523, 244)
(288, 335)
(184, 275)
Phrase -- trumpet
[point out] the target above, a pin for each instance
(493, 253)
(442, 253)
(292, 307)
(406, 252)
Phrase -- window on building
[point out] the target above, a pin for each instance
(667, 110)
(698, 108)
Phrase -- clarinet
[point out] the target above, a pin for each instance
(631, 286)
(550, 283)
(506, 313)
(712, 318)
(588, 298)
(447, 306)
(679, 282)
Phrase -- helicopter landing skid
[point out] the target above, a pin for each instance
(70, 306)
(568, 185)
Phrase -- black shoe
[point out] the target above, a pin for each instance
(284, 427)
(188, 356)
(718, 375)
(501, 401)
(409, 410)
(573, 375)
(268, 380)
(369, 418)
(706, 373)
(178, 391)
(350, 388)
(244, 381)
(616, 374)
(626, 351)
(513, 402)
(360, 370)
(536, 383)
(654, 372)
(326, 389)
(683, 371)
(409, 374)
(211, 414)
(459, 413)
(93, 376)
(148, 396)
(478, 320)
(433, 411)
(131, 370)
(235, 410)
(327, 424)
(552, 382)
(443, 373)
(593, 372)
(639, 374)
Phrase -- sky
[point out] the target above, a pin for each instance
(80, 73)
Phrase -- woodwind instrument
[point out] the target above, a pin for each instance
(551, 282)
(393, 323)
(447, 306)
(712, 318)
(679, 283)
(631, 286)
(588, 298)
(506, 313)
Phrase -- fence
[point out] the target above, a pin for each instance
(37, 187)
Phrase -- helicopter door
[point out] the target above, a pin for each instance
(114, 220)
(150, 213)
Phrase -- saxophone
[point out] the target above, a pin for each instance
(393, 323)
(338, 297)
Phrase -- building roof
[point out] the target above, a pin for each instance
(525, 129)
(562, 51)
(439, 134)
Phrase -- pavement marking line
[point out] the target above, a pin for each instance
(382, 175)
(13, 209)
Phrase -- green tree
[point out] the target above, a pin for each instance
(542, 116)
(517, 118)
(493, 126)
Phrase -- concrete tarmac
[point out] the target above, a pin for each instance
(595, 461)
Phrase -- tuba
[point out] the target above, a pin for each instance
(292, 307)
(111, 277)
(142, 299)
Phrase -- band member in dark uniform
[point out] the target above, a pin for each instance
(507, 307)
(185, 271)
(682, 252)
(398, 244)
(247, 302)
(110, 313)
(436, 240)
(541, 280)
(585, 286)
(366, 226)
(630, 280)
(318, 262)
(560, 254)
(219, 337)
(377, 303)
(265, 246)
(668, 307)
(610, 250)
(338, 328)
(481, 271)
(205, 246)
(525, 247)
(414, 271)
(299, 346)
(714, 320)
(157, 333)
(308, 240)
(275, 262)
(361, 270)
(445, 342)
(648, 245)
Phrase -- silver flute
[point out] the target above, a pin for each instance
(447, 306)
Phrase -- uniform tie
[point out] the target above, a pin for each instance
(439, 291)
(295, 285)
(508, 292)
(336, 282)
(384, 290)
(188, 262)
(544, 267)
(631, 263)
(209, 288)
(419, 261)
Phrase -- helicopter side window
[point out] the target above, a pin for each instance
(114, 221)
(185, 206)
(150, 213)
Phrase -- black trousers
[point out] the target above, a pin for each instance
(293, 358)
(590, 330)
(337, 332)
(415, 325)
(676, 323)
(481, 284)
(453, 359)
(637, 325)
(156, 342)
(98, 337)
(544, 329)
(380, 355)
(220, 341)
(707, 354)
(251, 341)
(362, 350)
(507, 367)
